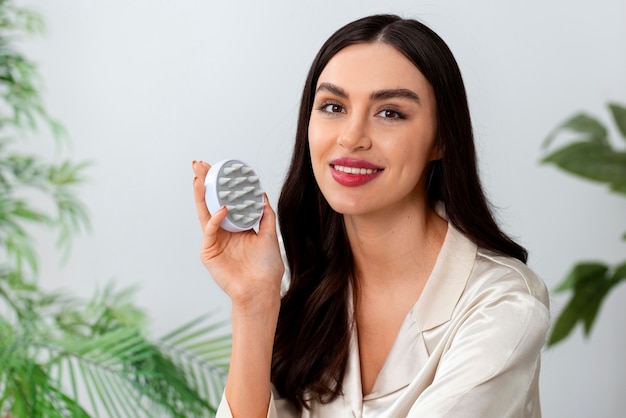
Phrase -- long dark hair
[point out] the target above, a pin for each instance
(314, 326)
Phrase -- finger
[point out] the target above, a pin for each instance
(213, 226)
(268, 220)
(200, 170)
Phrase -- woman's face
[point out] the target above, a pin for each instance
(372, 131)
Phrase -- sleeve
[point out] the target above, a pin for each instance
(491, 366)
(277, 409)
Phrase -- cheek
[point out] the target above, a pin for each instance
(315, 151)
(313, 145)
(318, 142)
(413, 161)
(315, 130)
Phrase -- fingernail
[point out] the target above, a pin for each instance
(194, 179)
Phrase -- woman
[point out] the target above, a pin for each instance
(405, 298)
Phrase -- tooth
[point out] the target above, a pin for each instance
(224, 194)
(237, 216)
(246, 170)
(253, 179)
(223, 180)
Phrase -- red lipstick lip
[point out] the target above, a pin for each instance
(353, 162)
(353, 179)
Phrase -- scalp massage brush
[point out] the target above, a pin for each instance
(234, 184)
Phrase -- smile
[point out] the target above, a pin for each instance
(353, 175)
(355, 170)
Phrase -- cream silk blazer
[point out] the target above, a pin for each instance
(469, 348)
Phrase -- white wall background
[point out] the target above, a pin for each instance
(144, 87)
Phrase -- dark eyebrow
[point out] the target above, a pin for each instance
(331, 88)
(393, 93)
(377, 95)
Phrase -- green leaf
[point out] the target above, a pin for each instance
(57, 348)
(593, 302)
(590, 282)
(586, 280)
(67, 173)
(581, 274)
(620, 272)
(184, 328)
(589, 127)
(22, 211)
(619, 188)
(86, 377)
(204, 357)
(591, 160)
(619, 116)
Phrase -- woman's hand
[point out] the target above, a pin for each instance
(246, 265)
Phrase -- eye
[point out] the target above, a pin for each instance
(332, 108)
(390, 114)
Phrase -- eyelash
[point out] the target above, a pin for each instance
(323, 108)
(398, 115)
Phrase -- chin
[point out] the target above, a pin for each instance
(344, 207)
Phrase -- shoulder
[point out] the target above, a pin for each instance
(504, 303)
(507, 274)
(508, 293)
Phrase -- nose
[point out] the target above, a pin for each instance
(355, 134)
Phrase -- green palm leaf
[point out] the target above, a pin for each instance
(61, 356)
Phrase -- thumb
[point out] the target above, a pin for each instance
(268, 220)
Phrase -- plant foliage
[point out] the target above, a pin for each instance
(591, 156)
(61, 356)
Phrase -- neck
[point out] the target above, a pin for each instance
(389, 249)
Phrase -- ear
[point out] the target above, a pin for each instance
(437, 153)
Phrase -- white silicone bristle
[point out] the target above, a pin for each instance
(234, 184)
